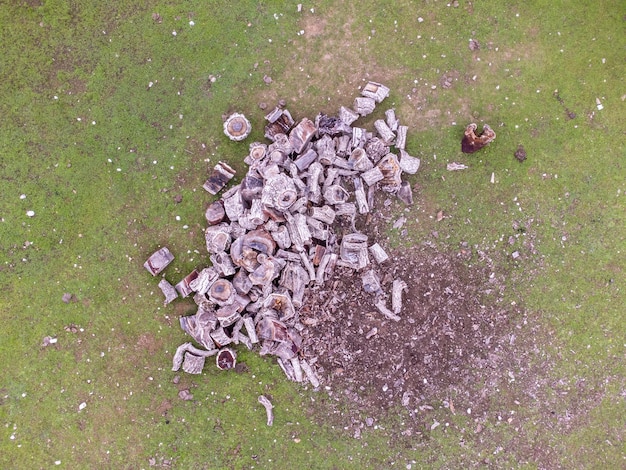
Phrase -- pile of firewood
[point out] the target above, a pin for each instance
(276, 233)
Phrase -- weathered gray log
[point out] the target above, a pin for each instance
(200, 326)
(359, 161)
(193, 364)
(331, 174)
(205, 279)
(385, 133)
(245, 340)
(392, 120)
(317, 228)
(342, 145)
(409, 164)
(288, 256)
(222, 174)
(168, 291)
(396, 295)
(281, 147)
(256, 153)
(306, 262)
(304, 160)
(401, 137)
(347, 115)
(257, 214)
(183, 287)
(371, 282)
(359, 137)
(335, 195)
(326, 150)
(364, 105)
(310, 374)
(371, 195)
(218, 237)
(251, 188)
(222, 292)
(347, 208)
(359, 193)
(300, 205)
(405, 193)
(298, 230)
(378, 253)
(295, 278)
(188, 347)
(302, 134)
(233, 206)
(158, 261)
(353, 251)
(376, 91)
(297, 369)
(248, 323)
(372, 176)
(223, 263)
(314, 192)
(382, 308)
(215, 213)
(324, 213)
(220, 337)
(320, 274)
(287, 368)
(268, 409)
(228, 315)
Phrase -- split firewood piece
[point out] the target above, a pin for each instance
(364, 105)
(302, 134)
(386, 134)
(347, 115)
(226, 359)
(268, 409)
(371, 283)
(221, 292)
(318, 229)
(205, 279)
(473, 142)
(353, 251)
(374, 90)
(401, 137)
(382, 308)
(359, 137)
(220, 337)
(392, 173)
(215, 213)
(233, 204)
(310, 374)
(298, 230)
(281, 237)
(378, 253)
(297, 369)
(280, 122)
(158, 261)
(222, 174)
(342, 145)
(359, 161)
(184, 286)
(409, 164)
(326, 150)
(200, 325)
(361, 198)
(314, 192)
(308, 265)
(304, 161)
(241, 282)
(396, 295)
(251, 188)
(324, 214)
(405, 193)
(286, 367)
(248, 323)
(372, 176)
(168, 291)
(391, 119)
(454, 166)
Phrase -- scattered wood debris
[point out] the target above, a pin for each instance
(473, 142)
(275, 234)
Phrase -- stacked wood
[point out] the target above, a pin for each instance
(274, 234)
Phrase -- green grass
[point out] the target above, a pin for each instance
(68, 64)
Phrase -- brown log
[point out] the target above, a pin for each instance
(158, 261)
(302, 134)
(215, 213)
(183, 287)
(473, 142)
(222, 174)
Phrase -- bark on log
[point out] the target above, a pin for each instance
(158, 261)
(378, 253)
(392, 120)
(268, 409)
(376, 91)
(396, 295)
(347, 115)
(386, 134)
(401, 137)
(222, 174)
(361, 198)
(364, 105)
(409, 164)
(310, 374)
(168, 291)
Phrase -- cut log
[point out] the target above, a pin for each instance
(158, 261)
(473, 142)
(371, 282)
(396, 295)
(268, 409)
(324, 213)
(223, 263)
(376, 91)
(372, 176)
(222, 174)
(392, 120)
(302, 134)
(358, 160)
(215, 212)
(226, 359)
(401, 137)
(193, 364)
(359, 193)
(364, 105)
(183, 287)
(218, 238)
(304, 160)
(204, 280)
(386, 134)
(359, 137)
(405, 193)
(335, 195)
(409, 164)
(347, 115)
(376, 149)
(390, 168)
(378, 253)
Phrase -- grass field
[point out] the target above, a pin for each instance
(109, 113)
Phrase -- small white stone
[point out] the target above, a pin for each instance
(173, 33)
(30, 213)
(22, 196)
(57, 462)
(192, 23)
(420, 19)
(178, 217)
(82, 406)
